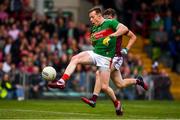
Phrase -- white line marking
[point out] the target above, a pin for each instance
(51, 112)
(84, 114)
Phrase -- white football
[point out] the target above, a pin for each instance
(49, 73)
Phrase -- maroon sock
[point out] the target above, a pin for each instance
(115, 103)
(94, 98)
(137, 81)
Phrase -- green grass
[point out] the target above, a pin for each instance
(67, 109)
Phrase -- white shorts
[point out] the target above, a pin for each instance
(117, 62)
(99, 60)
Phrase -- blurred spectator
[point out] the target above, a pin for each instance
(37, 33)
(156, 27)
(36, 84)
(168, 20)
(155, 69)
(7, 63)
(174, 45)
(3, 13)
(141, 19)
(61, 29)
(138, 67)
(56, 62)
(85, 42)
(24, 26)
(49, 26)
(166, 86)
(162, 86)
(160, 41)
(56, 47)
(130, 60)
(156, 22)
(6, 87)
(32, 44)
(29, 68)
(63, 62)
(7, 46)
(15, 5)
(17, 83)
(14, 31)
(72, 32)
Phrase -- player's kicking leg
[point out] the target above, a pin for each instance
(81, 58)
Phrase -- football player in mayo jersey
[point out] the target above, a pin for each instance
(104, 33)
(116, 64)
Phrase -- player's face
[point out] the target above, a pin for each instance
(94, 18)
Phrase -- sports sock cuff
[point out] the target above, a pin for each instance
(65, 77)
(95, 94)
(115, 102)
(94, 98)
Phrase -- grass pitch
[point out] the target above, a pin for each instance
(76, 109)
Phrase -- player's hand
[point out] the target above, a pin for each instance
(106, 41)
(124, 51)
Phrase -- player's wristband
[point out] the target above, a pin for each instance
(124, 51)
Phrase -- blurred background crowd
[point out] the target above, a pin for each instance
(30, 41)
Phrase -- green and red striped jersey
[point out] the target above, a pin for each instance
(104, 45)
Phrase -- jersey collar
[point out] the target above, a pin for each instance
(102, 21)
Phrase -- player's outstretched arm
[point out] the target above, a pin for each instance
(120, 30)
(132, 39)
(123, 30)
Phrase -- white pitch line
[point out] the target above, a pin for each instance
(75, 113)
(51, 112)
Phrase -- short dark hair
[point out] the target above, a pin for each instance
(110, 11)
(96, 9)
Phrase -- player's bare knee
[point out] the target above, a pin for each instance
(75, 59)
(104, 87)
(121, 85)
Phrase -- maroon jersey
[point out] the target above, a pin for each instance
(118, 46)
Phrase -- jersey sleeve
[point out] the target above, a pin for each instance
(113, 24)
